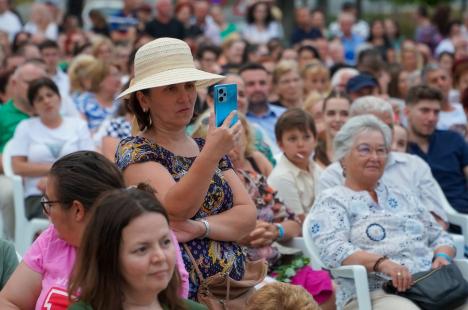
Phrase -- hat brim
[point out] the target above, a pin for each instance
(361, 86)
(174, 76)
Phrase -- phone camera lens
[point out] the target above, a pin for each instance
(221, 91)
(221, 99)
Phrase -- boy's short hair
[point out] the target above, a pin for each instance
(423, 92)
(48, 44)
(294, 118)
(281, 296)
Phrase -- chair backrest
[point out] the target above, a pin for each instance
(6, 160)
(313, 251)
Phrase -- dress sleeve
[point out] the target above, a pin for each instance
(134, 150)
(330, 229)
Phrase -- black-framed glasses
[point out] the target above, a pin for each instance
(47, 204)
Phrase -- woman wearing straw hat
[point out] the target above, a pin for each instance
(208, 206)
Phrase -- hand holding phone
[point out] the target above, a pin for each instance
(225, 101)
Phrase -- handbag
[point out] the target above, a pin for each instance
(221, 292)
(436, 289)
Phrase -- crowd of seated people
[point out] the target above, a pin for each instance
(155, 203)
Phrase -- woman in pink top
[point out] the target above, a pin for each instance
(75, 182)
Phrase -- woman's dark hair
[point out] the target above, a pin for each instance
(309, 48)
(393, 88)
(250, 13)
(16, 44)
(143, 118)
(97, 273)
(385, 38)
(36, 85)
(321, 148)
(83, 176)
(441, 18)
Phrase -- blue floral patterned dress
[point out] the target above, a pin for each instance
(211, 256)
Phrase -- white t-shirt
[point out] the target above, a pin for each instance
(454, 120)
(10, 23)
(41, 144)
(255, 36)
(50, 33)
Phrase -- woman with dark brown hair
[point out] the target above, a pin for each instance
(335, 113)
(128, 258)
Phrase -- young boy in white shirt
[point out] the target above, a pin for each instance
(295, 174)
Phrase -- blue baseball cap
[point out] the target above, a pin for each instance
(360, 81)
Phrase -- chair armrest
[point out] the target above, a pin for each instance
(359, 275)
(459, 244)
(460, 220)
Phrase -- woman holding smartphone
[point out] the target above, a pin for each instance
(208, 206)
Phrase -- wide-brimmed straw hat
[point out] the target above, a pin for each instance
(167, 61)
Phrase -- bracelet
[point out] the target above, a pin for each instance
(207, 228)
(280, 231)
(378, 262)
(444, 256)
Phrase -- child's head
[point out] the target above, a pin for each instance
(296, 135)
(316, 77)
(281, 296)
(400, 139)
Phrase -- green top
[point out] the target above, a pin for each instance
(230, 28)
(10, 117)
(190, 305)
(8, 261)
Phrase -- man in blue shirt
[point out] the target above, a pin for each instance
(351, 41)
(445, 151)
(260, 111)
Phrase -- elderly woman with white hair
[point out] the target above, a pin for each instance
(366, 222)
(402, 169)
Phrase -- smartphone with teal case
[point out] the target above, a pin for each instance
(225, 101)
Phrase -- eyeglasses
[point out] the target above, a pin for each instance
(365, 150)
(47, 204)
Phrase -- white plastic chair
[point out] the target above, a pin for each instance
(456, 218)
(356, 272)
(25, 229)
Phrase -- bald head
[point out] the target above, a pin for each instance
(21, 79)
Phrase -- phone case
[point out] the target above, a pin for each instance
(225, 101)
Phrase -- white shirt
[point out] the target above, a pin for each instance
(402, 171)
(453, 120)
(41, 144)
(10, 23)
(296, 187)
(63, 83)
(360, 28)
(51, 32)
(255, 36)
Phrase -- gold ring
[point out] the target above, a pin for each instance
(398, 274)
